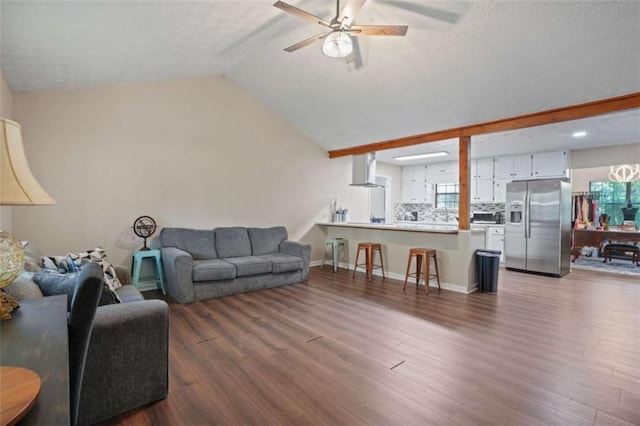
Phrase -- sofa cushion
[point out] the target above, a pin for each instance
(267, 240)
(213, 270)
(283, 262)
(199, 243)
(232, 242)
(249, 265)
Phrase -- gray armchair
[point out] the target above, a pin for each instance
(84, 303)
(128, 360)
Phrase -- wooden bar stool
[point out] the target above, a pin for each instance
(335, 243)
(369, 250)
(422, 254)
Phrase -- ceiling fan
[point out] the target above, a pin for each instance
(337, 32)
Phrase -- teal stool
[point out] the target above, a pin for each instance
(335, 247)
(154, 254)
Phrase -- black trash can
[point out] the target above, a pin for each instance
(487, 267)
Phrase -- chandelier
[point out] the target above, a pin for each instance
(625, 173)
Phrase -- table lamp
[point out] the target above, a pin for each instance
(18, 187)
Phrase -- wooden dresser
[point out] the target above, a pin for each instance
(589, 238)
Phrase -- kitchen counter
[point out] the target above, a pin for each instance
(425, 227)
(455, 247)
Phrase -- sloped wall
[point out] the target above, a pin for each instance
(192, 153)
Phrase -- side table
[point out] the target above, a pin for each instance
(155, 255)
(36, 339)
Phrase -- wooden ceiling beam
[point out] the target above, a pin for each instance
(573, 112)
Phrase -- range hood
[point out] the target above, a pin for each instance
(364, 170)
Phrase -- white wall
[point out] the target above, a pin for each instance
(194, 153)
(6, 108)
(607, 156)
(580, 178)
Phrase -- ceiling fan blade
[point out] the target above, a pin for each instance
(355, 57)
(300, 13)
(349, 12)
(305, 43)
(420, 9)
(378, 30)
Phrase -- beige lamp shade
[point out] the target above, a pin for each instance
(17, 184)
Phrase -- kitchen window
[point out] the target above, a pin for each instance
(614, 196)
(447, 195)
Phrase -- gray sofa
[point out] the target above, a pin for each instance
(201, 264)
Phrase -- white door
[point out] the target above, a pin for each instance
(503, 167)
(522, 166)
(495, 241)
(484, 168)
(408, 174)
(408, 193)
(500, 190)
(419, 173)
(484, 190)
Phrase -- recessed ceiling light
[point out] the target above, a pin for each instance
(425, 155)
(580, 134)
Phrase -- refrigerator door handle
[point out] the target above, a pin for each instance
(527, 221)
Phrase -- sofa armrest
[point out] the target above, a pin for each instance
(127, 361)
(178, 272)
(300, 250)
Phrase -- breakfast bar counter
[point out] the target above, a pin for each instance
(406, 227)
(455, 248)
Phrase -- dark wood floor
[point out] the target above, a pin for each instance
(340, 352)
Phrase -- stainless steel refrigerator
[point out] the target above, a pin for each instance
(537, 235)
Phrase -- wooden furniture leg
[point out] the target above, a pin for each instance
(426, 271)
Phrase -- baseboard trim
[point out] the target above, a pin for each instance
(400, 277)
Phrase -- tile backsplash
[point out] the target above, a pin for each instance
(427, 213)
(488, 207)
(424, 210)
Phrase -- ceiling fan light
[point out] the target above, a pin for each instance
(337, 45)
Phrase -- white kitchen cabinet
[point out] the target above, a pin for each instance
(413, 174)
(436, 169)
(481, 190)
(442, 172)
(417, 193)
(495, 239)
(481, 168)
(500, 190)
(550, 164)
(481, 180)
(513, 167)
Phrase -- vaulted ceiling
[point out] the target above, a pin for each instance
(460, 63)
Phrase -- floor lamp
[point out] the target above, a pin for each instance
(18, 187)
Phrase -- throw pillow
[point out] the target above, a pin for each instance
(98, 256)
(23, 287)
(62, 264)
(53, 283)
